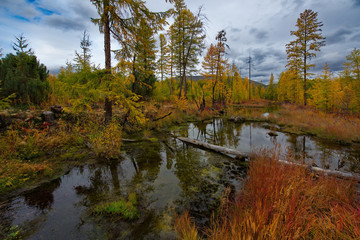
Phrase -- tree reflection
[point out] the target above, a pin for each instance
(42, 197)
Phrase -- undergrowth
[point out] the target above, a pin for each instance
(30, 152)
(283, 202)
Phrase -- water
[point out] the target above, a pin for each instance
(248, 137)
(167, 176)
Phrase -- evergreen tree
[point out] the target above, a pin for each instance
(23, 75)
(302, 49)
(82, 60)
(21, 45)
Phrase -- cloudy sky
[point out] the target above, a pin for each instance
(260, 28)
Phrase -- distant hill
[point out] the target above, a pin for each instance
(197, 78)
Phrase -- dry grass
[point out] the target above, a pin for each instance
(185, 228)
(326, 125)
(285, 202)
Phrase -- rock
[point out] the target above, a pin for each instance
(48, 116)
(237, 119)
(272, 134)
(56, 109)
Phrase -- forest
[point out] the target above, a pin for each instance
(134, 146)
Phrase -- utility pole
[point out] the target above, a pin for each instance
(249, 62)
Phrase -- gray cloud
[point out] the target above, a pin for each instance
(58, 21)
(258, 34)
(338, 36)
(355, 38)
(259, 27)
(19, 8)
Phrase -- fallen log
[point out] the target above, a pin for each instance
(215, 148)
(241, 155)
(157, 119)
(131, 140)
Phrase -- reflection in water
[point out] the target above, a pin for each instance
(167, 176)
(247, 137)
(43, 198)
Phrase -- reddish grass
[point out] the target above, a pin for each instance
(285, 202)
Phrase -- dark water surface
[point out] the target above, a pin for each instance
(167, 176)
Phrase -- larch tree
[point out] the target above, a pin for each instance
(353, 64)
(220, 60)
(209, 66)
(164, 57)
(308, 41)
(238, 89)
(271, 90)
(144, 64)
(320, 92)
(187, 35)
(137, 58)
(119, 18)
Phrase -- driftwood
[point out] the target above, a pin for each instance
(130, 140)
(213, 147)
(241, 155)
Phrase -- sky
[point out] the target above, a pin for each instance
(256, 28)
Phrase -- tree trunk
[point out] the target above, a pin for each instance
(108, 103)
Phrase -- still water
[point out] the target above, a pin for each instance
(168, 177)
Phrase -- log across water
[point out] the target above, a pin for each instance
(240, 155)
(213, 147)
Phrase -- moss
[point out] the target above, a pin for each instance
(154, 140)
(127, 209)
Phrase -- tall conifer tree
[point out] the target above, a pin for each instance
(308, 41)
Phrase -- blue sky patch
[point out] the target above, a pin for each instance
(20, 18)
(45, 11)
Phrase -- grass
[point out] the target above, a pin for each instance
(304, 120)
(283, 202)
(325, 125)
(126, 209)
